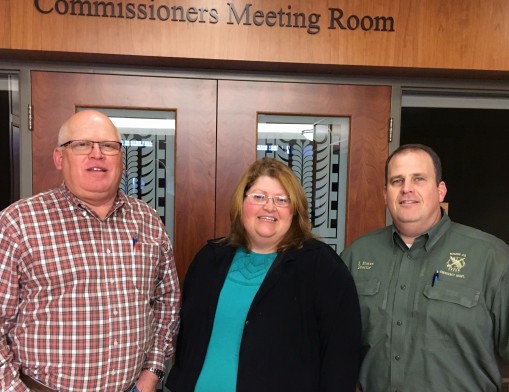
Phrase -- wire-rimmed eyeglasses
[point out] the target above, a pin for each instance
(261, 199)
(85, 147)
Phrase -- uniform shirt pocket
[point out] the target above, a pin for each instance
(445, 312)
(373, 304)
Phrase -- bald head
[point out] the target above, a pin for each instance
(85, 119)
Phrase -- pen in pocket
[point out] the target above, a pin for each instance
(436, 277)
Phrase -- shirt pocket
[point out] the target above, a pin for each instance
(142, 270)
(373, 302)
(445, 312)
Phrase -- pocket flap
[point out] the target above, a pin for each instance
(368, 287)
(450, 292)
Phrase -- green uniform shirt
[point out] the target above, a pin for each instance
(420, 335)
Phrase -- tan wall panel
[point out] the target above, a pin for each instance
(441, 34)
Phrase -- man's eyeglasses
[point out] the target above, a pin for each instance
(85, 147)
(261, 199)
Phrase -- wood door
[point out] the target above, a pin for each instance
(368, 107)
(56, 96)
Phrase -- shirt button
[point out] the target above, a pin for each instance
(409, 256)
(403, 286)
(397, 357)
(247, 322)
(399, 322)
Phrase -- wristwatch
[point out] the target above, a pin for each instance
(159, 373)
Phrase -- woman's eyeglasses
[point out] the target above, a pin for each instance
(261, 199)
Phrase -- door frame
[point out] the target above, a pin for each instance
(209, 177)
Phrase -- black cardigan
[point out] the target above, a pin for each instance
(302, 331)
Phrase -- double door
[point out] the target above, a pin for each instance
(216, 136)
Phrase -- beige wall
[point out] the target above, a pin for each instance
(433, 34)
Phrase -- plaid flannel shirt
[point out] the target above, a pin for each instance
(85, 303)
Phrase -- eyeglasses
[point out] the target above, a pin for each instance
(261, 199)
(85, 147)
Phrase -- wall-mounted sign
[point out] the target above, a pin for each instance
(246, 15)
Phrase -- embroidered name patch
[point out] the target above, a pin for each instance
(365, 265)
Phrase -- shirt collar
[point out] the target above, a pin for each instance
(429, 238)
(120, 200)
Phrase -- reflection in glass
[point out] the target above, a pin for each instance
(316, 148)
(148, 140)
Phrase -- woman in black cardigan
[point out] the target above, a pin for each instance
(267, 308)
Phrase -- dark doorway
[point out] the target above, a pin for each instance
(472, 144)
(5, 147)
(9, 139)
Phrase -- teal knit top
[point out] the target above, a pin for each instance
(246, 274)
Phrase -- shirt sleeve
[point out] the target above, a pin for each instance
(500, 308)
(166, 306)
(9, 286)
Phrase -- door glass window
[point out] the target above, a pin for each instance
(316, 148)
(148, 140)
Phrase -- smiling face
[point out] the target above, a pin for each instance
(267, 224)
(93, 178)
(412, 194)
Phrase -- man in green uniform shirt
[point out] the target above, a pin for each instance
(434, 294)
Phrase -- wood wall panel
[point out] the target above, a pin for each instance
(432, 34)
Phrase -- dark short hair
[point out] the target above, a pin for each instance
(437, 164)
(300, 229)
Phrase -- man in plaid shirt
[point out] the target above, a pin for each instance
(89, 296)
